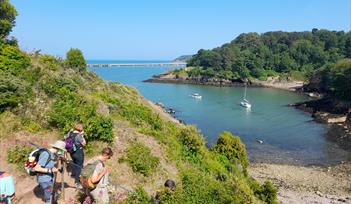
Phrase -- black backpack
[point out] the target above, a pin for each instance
(33, 159)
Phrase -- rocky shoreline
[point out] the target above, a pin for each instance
(336, 114)
(313, 184)
(272, 82)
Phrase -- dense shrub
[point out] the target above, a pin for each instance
(140, 115)
(12, 60)
(140, 159)
(269, 193)
(99, 128)
(170, 196)
(53, 86)
(49, 62)
(70, 108)
(231, 146)
(266, 192)
(12, 91)
(140, 196)
(18, 154)
(199, 187)
(192, 141)
(75, 59)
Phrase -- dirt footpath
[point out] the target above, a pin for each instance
(299, 184)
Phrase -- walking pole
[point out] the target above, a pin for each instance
(63, 164)
(53, 193)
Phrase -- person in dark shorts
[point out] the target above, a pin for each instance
(76, 151)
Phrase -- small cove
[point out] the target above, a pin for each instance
(289, 136)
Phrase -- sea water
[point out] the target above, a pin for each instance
(289, 135)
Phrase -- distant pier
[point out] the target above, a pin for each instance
(168, 64)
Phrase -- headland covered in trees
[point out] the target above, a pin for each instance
(287, 56)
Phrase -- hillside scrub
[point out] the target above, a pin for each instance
(44, 93)
(140, 159)
(18, 155)
(67, 100)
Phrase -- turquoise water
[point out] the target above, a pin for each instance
(289, 135)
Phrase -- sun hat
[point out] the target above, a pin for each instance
(59, 145)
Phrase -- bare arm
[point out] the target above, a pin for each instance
(40, 169)
(43, 158)
(96, 177)
(84, 142)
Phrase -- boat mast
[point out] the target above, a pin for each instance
(245, 92)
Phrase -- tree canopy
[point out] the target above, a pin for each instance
(8, 15)
(75, 59)
(261, 55)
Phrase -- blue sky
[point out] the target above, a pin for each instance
(163, 29)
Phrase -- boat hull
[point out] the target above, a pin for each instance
(245, 104)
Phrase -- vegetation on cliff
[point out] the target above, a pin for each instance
(333, 80)
(43, 93)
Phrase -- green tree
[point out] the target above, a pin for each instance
(341, 79)
(75, 59)
(8, 15)
(257, 55)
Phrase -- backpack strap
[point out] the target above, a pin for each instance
(49, 157)
(102, 163)
(99, 161)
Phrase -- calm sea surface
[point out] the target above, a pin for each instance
(289, 135)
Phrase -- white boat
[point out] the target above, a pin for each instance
(196, 95)
(245, 103)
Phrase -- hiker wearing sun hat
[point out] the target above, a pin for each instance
(46, 169)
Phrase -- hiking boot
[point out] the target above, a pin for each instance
(79, 186)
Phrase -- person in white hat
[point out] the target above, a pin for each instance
(45, 168)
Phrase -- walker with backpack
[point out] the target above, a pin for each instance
(70, 141)
(87, 173)
(33, 159)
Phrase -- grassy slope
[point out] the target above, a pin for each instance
(203, 176)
